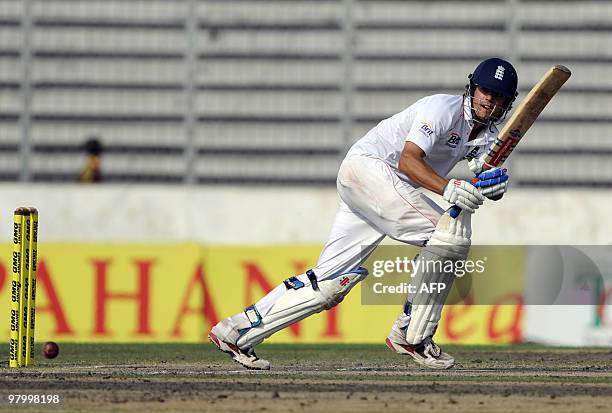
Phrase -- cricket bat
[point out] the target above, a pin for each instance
(522, 118)
(526, 113)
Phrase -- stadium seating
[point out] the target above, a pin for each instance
(270, 91)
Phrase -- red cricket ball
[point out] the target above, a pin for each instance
(50, 350)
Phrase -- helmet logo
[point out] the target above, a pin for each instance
(499, 73)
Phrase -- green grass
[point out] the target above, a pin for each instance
(205, 353)
(327, 356)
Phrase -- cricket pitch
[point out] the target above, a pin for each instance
(313, 378)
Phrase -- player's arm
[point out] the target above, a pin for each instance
(412, 165)
(455, 191)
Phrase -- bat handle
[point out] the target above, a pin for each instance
(454, 211)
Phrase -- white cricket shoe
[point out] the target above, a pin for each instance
(427, 353)
(220, 335)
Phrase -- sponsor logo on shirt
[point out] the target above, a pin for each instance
(453, 140)
(426, 129)
(472, 154)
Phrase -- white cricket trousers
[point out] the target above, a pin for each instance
(374, 203)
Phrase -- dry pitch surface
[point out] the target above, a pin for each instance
(313, 378)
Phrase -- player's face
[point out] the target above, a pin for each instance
(487, 103)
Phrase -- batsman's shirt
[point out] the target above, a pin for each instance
(440, 125)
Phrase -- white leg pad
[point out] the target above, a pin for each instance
(299, 300)
(450, 242)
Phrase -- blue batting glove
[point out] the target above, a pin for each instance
(491, 177)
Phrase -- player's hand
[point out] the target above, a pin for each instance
(478, 165)
(463, 194)
(492, 183)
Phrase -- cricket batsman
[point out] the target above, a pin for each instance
(378, 183)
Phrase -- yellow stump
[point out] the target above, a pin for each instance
(23, 295)
(15, 359)
(31, 270)
(23, 286)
